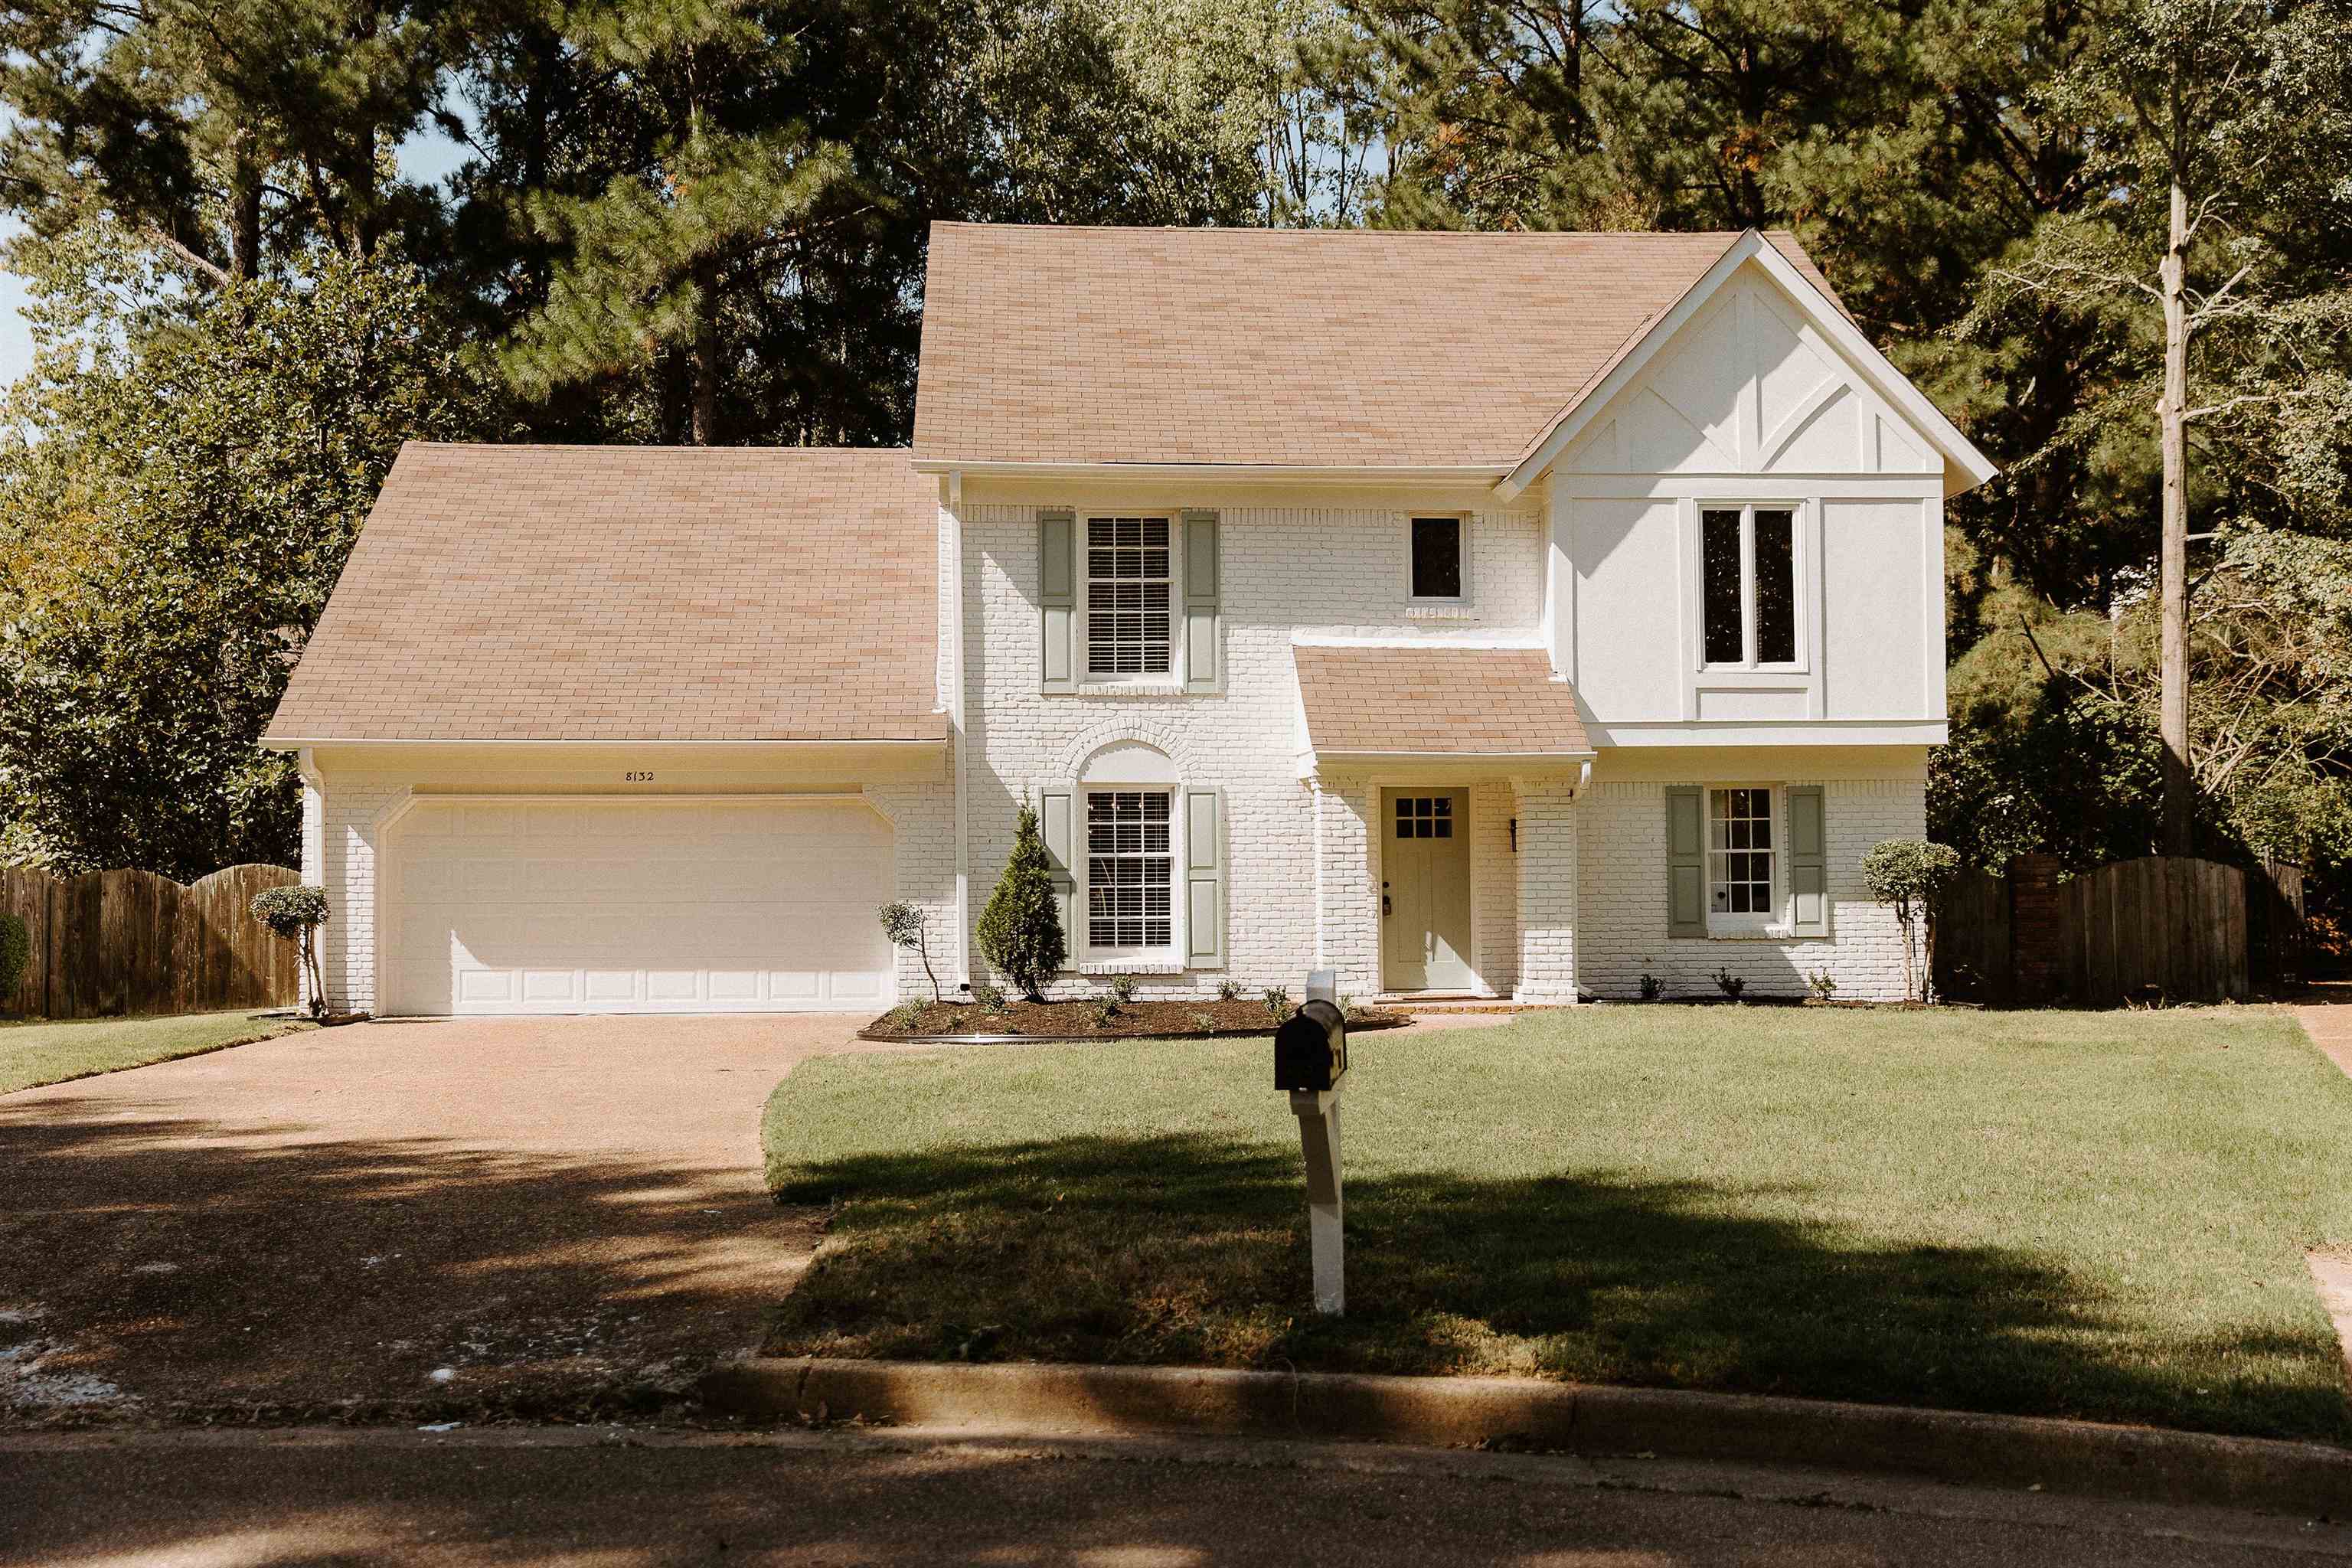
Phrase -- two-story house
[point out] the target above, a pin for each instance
(1489, 615)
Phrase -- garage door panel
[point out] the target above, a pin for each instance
(629, 906)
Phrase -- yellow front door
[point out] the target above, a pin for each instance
(1425, 890)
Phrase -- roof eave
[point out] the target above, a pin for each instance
(1253, 473)
(297, 742)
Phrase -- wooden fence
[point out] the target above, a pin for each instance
(2176, 928)
(107, 944)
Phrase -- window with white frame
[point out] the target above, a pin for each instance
(1436, 558)
(1739, 857)
(1130, 592)
(1130, 871)
(1747, 586)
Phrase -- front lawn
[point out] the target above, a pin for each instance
(2091, 1215)
(37, 1053)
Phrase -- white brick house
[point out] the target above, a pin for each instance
(1483, 615)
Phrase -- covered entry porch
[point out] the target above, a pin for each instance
(1444, 782)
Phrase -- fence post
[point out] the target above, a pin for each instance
(2037, 928)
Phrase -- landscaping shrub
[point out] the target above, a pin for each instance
(297, 912)
(1020, 931)
(1905, 873)
(16, 955)
(903, 923)
(1229, 990)
(1730, 985)
(1278, 1002)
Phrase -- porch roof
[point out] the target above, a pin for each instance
(1436, 700)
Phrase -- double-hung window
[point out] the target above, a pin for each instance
(1747, 586)
(1130, 872)
(1739, 858)
(1436, 559)
(1130, 623)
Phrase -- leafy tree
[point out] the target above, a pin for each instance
(223, 132)
(2228, 125)
(1020, 931)
(16, 955)
(1905, 874)
(903, 923)
(295, 913)
(187, 477)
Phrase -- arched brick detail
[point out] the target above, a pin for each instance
(1127, 727)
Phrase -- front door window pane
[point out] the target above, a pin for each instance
(1720, 568)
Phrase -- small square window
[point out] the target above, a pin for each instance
(1437, 558)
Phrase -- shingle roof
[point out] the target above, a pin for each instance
(631, 593)
(1313, 348)
(1462, 700)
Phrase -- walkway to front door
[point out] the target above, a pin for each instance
(1425, 890)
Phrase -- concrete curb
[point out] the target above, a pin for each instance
(2146, 1462)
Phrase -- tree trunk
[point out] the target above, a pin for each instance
(706, 358)
(2180, 794)
(245, 213)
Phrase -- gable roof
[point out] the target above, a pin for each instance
(1364, 700)
(630, 593)
(1306, 348)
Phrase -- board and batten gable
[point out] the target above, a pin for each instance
(1750, 403)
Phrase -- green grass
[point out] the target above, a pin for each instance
(2091, 1215)
(37, 1053)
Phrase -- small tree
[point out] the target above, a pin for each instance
(1020, 932)
(15, 957)
(297, 912)
(903, 923)
(1905, 873)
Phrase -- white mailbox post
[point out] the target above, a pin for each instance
(1310, 1061)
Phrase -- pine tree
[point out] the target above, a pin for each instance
(1020, 930)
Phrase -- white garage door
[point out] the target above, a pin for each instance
(638, 906)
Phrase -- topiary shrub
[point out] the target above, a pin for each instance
(903, 923)
(297, 912)
(1020, 931)
(1905, 873)
(15, 957)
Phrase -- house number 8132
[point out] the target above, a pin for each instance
(637, 778)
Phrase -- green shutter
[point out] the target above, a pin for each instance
(1204, 869)
(1057, 597)
(1808, 861)
(1053, 826)
(1686, 861)
(1200, 601)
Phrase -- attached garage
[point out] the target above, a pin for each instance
(643, 904)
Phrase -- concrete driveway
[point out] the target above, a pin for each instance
(540, 1217)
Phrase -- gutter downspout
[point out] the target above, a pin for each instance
(955, 716)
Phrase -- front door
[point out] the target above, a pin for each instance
(1425, 890)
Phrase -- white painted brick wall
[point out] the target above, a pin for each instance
(1623, 898)
(1333, 570)
(340, 854)
(922, 819)
(1547, 891)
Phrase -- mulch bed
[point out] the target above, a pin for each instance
(1084, 1021)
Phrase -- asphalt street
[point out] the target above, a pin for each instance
(618, 1497)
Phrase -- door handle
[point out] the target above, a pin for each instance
(1386, 908)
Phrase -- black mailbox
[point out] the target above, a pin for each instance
(1310, 1050)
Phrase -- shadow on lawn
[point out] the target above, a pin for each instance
(1192, 1249)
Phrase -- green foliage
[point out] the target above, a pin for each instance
(1651, 986)
(16, 954)
(904, 924)
(292, 912)
(989, 999)
(1103, 1012)
(1278, 1003)
(903, 1017)
(189, 476)
(1905, 873)
(1731, 986)
(1020, 931)
(1122, 989)
(1821, 983)
(1229, 990)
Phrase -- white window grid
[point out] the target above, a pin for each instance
(1742, 857)
(1131, 597)
(1130, 871)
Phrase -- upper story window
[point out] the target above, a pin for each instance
(1436, 558)
(1747, 569)
(1129, 623)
